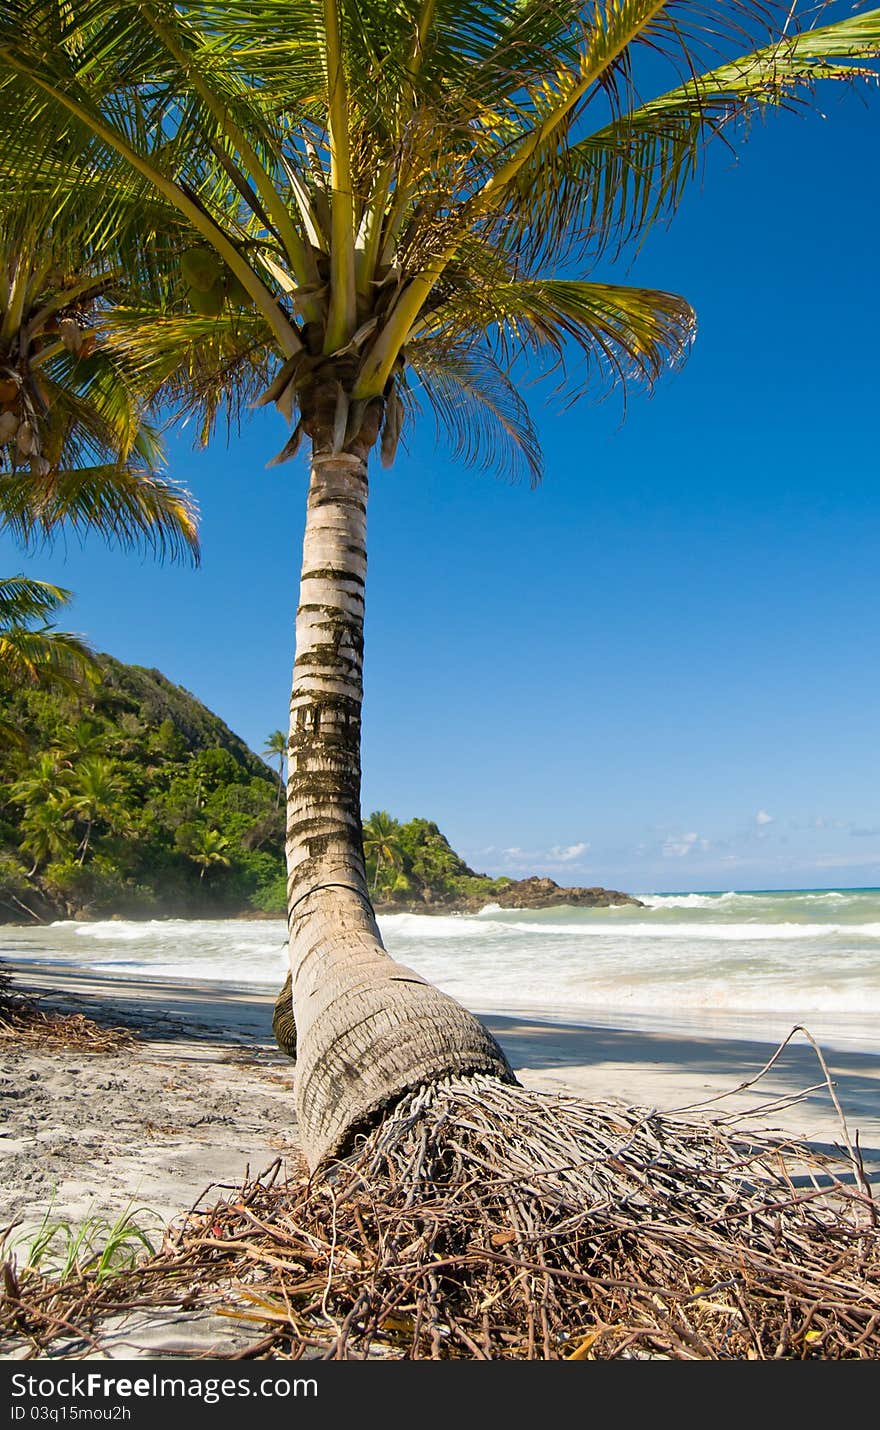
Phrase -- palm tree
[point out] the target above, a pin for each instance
(276, 748)
(32, 651)
(96, 797)
(207, 848)
(381, 842)
(46, 826)
(73, 446)
(44, 776)
(78, 740)
(384, 202)
(46, 832)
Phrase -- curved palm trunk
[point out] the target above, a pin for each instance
(367, 1027)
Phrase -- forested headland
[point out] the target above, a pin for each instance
(128, 797)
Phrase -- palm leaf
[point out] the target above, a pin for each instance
(627, 333)
(477, 407)
(609, 187)
(117, 499)
(45, 657)
(204, 366)
(23, 600)
(451, 154)
(37, 654)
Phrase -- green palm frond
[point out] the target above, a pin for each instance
(72, 424)
(23, 600)
(627, 333)
(606, 188)
(32, 652)
(477, 407)
(53, 658)
(205, 366)
(373, 172)
(128, 504)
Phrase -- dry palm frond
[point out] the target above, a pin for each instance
(482, 1221)
(23, 1023)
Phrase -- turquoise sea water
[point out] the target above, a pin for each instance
(733, 962)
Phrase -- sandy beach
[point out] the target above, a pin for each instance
(204, 1096)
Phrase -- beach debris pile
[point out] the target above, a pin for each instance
(484, 1221)
(23, 1021)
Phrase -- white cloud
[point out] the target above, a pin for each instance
(762, 817)
(568, 853)
(680, 845)
(531, 861)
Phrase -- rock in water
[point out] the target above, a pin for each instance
(538, 893)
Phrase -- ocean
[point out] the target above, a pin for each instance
(731, 964)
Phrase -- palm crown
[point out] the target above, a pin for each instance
(275, 747)
(74, 447)
(386, 195)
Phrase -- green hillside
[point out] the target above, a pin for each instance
(136, 800)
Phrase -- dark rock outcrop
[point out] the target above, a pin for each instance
(538, 893)
(533, 893)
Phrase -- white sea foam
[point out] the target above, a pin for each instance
(439, 926)
(787, 956)
(688, 901)
(429, 927)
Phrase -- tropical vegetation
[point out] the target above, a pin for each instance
(75, 446)
(129, 797)
(33, 652)
(123, 795)
(412, 864)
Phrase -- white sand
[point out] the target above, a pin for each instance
(205, 1096)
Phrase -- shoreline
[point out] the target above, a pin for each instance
(466, 908)
(204, 1094)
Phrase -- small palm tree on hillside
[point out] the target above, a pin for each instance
(46, 825)
(46, 776)
(78, 740)
(275, 748)
(46, 831)
(96, 797)
(382, 843)
(203, 845)
(207, 848)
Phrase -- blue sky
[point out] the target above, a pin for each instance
(659, 670)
